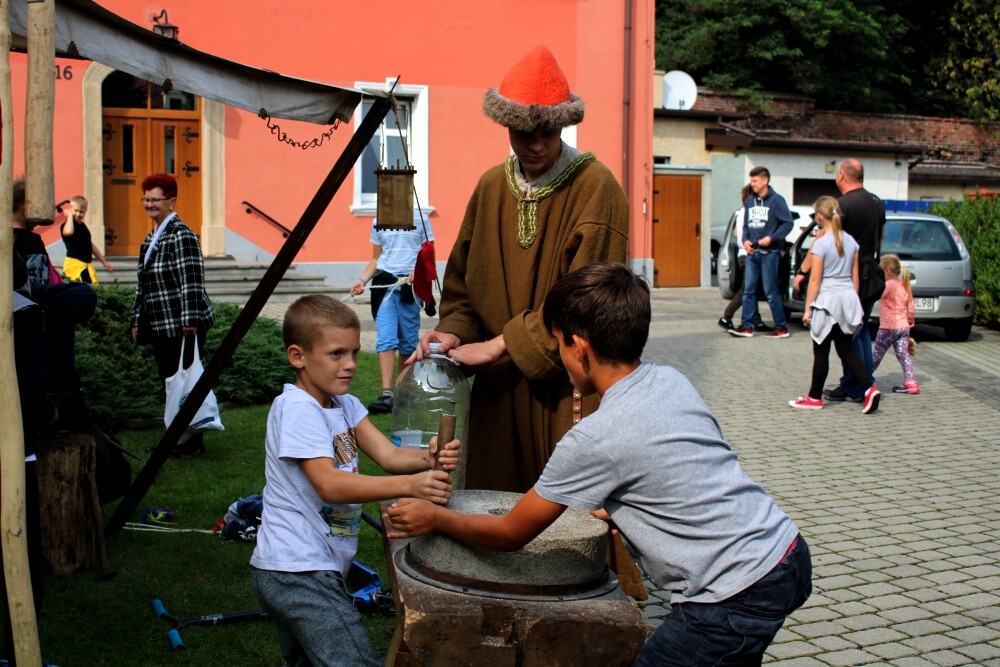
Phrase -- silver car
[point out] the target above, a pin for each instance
(725, 250)
(939, 265)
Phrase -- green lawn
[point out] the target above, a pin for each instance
(88, 622)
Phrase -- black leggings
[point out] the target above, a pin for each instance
(843, 343)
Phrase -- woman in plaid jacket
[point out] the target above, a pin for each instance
(170, 299)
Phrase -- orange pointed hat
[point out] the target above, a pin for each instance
(534, 95)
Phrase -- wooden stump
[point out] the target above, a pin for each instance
(65, 468)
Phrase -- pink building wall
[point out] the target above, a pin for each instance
(456, 49)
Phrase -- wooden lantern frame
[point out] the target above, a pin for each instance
(394, 198)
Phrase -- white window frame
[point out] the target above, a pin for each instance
(419, 142)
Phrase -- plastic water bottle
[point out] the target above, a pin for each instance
(424, 391)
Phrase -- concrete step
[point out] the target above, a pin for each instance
(227, 279)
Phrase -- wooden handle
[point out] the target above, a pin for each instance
(446, 433)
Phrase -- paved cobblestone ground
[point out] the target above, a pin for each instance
(898, 507)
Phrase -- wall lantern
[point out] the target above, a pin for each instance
(163, 26)
(830, 166)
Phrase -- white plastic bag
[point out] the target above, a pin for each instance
(179, 386)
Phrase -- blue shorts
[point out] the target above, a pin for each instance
(397, 326)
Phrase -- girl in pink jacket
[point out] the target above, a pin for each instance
(895, 313)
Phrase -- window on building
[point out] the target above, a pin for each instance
(808, 190)
(124, 91)
(406, 127)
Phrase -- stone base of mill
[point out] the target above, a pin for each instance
(463, 626)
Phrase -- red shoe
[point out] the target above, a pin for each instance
(742, 332)
(871, 400)
(807, 403)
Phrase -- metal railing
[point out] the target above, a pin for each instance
(251, 209)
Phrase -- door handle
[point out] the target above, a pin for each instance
(697, 230)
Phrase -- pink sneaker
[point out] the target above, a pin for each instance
(872, 397)
(908, 387)
(807, 403)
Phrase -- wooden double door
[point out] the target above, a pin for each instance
(137, 143)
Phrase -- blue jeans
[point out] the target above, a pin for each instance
(397, 325)
(863, 346)
(763, 266)
(315, 617)
(737, 630)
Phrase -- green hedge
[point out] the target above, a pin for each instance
(120, 380)
(978, 221)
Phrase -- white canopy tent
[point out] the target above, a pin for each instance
(86, 30)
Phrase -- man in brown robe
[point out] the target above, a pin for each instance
(545, 211)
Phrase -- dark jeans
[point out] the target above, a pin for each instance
(65, 305)
(737, 301)
(737, 630)
(762, 267)
(849, 357)
(863, 347)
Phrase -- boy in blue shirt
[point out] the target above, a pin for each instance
(314, 493)
(653, 460)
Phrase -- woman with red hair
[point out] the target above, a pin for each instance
(170, 299)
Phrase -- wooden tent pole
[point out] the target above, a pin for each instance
(294, 242)
(39, 111)
(13, 529)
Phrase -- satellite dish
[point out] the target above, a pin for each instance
(679, 90)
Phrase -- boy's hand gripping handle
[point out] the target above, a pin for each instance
(446, 433)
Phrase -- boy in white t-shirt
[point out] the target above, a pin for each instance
(653, 460)
(313, 494)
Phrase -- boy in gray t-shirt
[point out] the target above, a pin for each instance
(653, 460)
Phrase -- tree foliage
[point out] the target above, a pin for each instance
(876, 56)
(970, 70)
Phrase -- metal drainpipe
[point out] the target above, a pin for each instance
(627, 101)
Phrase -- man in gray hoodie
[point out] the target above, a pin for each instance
(767, 222)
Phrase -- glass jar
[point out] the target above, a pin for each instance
(424, 391)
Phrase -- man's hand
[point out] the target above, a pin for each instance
(408, 517)
(358, 287)
(765, 242)
(447, 341)
(797, 282)
(479, 354)
(748, 247)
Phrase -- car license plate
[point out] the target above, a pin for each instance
(924, 303)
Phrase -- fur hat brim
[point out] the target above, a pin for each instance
(531, 117)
